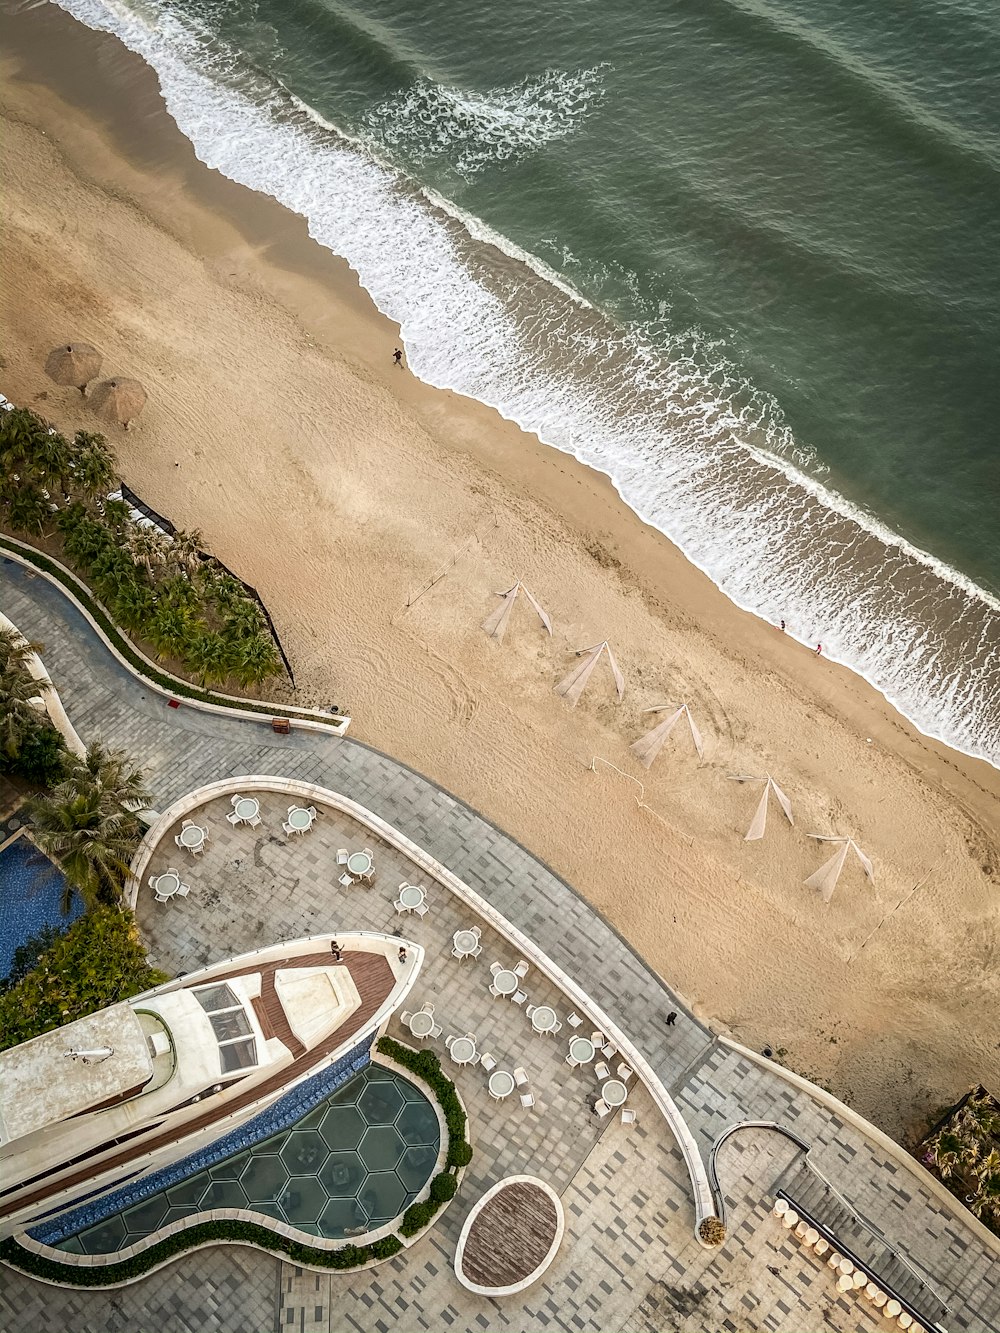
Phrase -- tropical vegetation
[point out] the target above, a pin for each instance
(964, 1151)
(88, 822)
(30, 747)
(162, 589)
(58, 977)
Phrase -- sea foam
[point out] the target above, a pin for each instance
(692, 448)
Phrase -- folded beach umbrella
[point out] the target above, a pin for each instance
(759, 820)
(647, 747)
(495, 623)
(573, 685)
(73, 363)
(119, 400)
(825, 878)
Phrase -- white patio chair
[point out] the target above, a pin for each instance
(289, 828)
(519, 996)
(291, 808)
(254, 822)
(609, 1051)
(183, 890)
(457, 953)
(235, 800)
(368, 878)
(521, 969)
(405, 1016)
(531, 1009)
(628, 1117)
(557, 1028)
(152, 882)
(574, 1020)
(527, 1099)
(487, 1062)
(476, 951)
(602, 1071)
(427, 1008)
(448, 1041)
(476, 931)
(186, 823)
(436, 1030)
(161, 897)
(233, 818)
(494, 992)
(342, 855)
(520, 1076)
(312, 811)
(624, 1072)
(496, 967)
(421, 909)
(601, 1108)
(573, 1064)
(346, 881)
(177, 839)
(401, 908)
(368, 852)
(598, 1039)
(197, 851)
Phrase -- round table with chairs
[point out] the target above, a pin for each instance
(505, 981)
(421, 1023)
(247, 808)
(300, 818)
(192, 836)
(412, 896)
(501, 1084)
(358, 864)
(582, 1050)
(543, 1019)
(466, 941)
(463, 1050)
(614, 1092)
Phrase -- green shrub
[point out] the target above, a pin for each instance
(350, 1256)
(416, 1217)
(459, 1154)
(443, 1187)
(97, 962)
(41, 759)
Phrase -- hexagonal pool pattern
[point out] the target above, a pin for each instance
(354, 1163)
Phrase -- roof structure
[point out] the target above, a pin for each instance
(496, 622)
(572, 686)
(647, 747)
(825, 878)
(759, 821)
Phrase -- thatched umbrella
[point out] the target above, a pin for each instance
(73, 363)
(120, 400)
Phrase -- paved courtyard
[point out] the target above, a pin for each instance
(629, 1260)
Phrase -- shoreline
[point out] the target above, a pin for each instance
(381, 482)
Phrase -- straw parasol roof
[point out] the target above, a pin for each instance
(119, 399)
(73, 363)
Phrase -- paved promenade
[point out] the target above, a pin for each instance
(629, 1261)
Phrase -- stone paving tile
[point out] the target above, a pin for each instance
(619, 1188)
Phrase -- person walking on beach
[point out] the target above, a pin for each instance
(782, 627)
(819, 650)
(397, 358)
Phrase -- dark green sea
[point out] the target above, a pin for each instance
(742, 256)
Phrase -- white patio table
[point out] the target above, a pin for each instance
(412, 896)
(463, 1050)
(247, 808)
(192, 836)
(614, 1092)
(505, 981)
(501, 1084)
(465, 942)
(300, 818)
(582, 1050)
(421, 1023)
(358, 864)
(544, 1019)
(167, 884)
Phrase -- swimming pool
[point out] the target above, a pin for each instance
(351, 1165)
(31, 892)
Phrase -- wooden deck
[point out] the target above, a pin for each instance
(510, 1237)
(374, 979)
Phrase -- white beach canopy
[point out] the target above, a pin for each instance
(825, 878)
(647, 747)
(759, 820)
(573, 685)
(496, 622)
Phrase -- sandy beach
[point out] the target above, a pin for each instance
(379, 518)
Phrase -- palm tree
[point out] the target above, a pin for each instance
(184, 550)
(93, 465)
(171, 630)
(256, 660)
(134, 606)
(18, 715)
(16, 651)
(88, 822)
(148, 548)
(28, 510)
(210, 657)
(947, 1149)
(21, 436)
(117, 515)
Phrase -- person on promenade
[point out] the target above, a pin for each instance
(671, 1018)
(402, 954)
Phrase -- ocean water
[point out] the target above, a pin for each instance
(741, 255)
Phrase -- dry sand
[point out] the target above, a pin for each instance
(340, 487)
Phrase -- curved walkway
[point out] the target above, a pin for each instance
(713, 1084)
